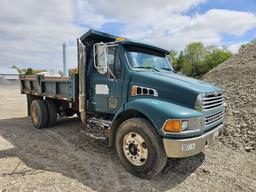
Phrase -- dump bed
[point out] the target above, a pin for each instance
(63, 88)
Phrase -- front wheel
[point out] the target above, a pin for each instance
(140, 148)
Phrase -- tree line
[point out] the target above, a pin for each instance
(196, 59)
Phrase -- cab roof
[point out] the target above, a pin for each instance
(98, 36)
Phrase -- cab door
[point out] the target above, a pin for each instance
(106, 89)
(115, 80)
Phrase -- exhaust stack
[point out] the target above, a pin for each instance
(65, 70)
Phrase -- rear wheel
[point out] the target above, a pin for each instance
(39, 115)
(52, 112)
(140, 148)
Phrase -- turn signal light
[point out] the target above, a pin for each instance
(173, 126)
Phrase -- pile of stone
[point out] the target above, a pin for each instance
(237, 76)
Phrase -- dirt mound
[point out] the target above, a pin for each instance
(237, 76)
(5, 82)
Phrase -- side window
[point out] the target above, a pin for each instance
(111, 58)
(118, 67)
(114, 62)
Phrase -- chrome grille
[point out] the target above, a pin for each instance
(213, 118)
(212, 100)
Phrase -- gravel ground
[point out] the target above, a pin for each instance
(63, 159)
(237, 76)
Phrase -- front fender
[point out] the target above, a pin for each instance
(158, 111)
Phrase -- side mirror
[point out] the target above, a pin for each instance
(100, 57)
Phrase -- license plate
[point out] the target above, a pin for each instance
(188, 147)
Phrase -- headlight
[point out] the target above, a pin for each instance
(184, 124)
(195, 123)
(178, 125)
(198, 104)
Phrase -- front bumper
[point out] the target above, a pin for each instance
(188, 147)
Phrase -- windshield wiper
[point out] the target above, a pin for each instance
(167, 69)
(147, 67)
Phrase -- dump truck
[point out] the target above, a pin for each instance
(154, 112)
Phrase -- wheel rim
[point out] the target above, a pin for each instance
(35, 114)
(135, 148)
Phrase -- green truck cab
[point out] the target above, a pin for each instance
(154, 112)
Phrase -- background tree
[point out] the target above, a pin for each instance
(180, 61)
(173, 59)
(194, 54)
(29, 71)
(196, 60)
(73, 71)
(216, 57)
(19, 71)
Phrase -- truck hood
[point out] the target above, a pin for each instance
(197, 85)
(174, 87)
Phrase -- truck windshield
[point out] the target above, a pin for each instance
(147, 59)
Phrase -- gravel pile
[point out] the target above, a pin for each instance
(237, 76)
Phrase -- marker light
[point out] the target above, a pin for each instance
(120, 39)
(134, 90)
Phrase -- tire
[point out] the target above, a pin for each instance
(39, 114)
(146, 152)
(52, 112)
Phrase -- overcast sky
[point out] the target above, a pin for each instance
(32, 31)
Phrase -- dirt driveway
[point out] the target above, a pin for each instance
(63, 159)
